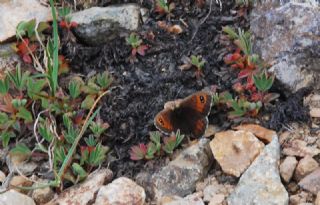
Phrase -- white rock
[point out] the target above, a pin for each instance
(13, 12)
(287, 168)
(260, 183)
(13, 197)
(121, 191)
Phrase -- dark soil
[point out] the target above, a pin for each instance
(144, 87)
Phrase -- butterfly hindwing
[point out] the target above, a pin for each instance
(200, 101)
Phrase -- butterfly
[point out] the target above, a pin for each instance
(189, 115)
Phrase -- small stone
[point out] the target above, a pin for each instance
(300, 148)
(317, 201)
(42, 196)
(298, 199)
(217, 199)
(311, 182)
(235, 150)
(315, 112)
(287, 168)
(260, 132)
(261, 183)
(305, 166)
(284, 137)
(121, 191)
(13, 197)
(84, 192)
(211, 191)
(193, 199)
(181, 175)
(20, 181)
(2, 176)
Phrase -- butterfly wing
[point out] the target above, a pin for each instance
(164, 121)
(200, 102)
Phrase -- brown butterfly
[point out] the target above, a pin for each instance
(189, 115)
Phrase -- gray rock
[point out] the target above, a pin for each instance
(311, 182)
(102, 24)
(286, 35)
(180, 176)
(13, 197)
(23, 10)
(261, 183)
(8, 59)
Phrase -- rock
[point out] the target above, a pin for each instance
(180, 176)
(212, 191)
(287, 168)
(42, 196)
(121, 191)
(317, 201)
(217, 199)
(2, 176)
(194, 199)
(235, 150)
(260, 183)
(26, 168)
(99, 25)
(13, 197)
(8, 58)
(311, 182)
(20, 181)
(297, 199)
(211, 130)
(305, 166)
(315, 112)
(260, 132)
(84, 192)
(286, 36)
(23, 10)
(300, 148)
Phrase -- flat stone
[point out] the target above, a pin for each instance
(260, 132)
(8, 58)
(300, 148)
(235, 150)
(98, 25)
(217, 199)
(20, 181)
(260, 183)
(305, 166)
(180, 176)
(121, 191)
(315, 112)
(23, 10)
(287, 168)
(85, 192)
(42, 196)
(13, 197)
(194, 199)
(311, 182)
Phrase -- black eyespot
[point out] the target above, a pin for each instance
(201, 99)
(161, 121)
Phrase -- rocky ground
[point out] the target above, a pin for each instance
(270, 159)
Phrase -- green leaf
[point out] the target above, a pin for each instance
(4, 86)
(26, 27)
(34, 87)
(155, 137)
(24, 114)
(88, 102)
(45, 132)
(18, 78)
(151, 150)
(169, 144)
(64, 11)
(97, 155)
(59, 154)
(5, 137)
(79, 171)
(90, 141)
(104, 80)
(21, 149)
(74, 89)
(3, 118)
(263, 82)
(231, 32)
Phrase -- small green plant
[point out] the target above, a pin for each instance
(163, 7)
(137, 45)
(154, 147)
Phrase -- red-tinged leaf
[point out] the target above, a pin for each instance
(138, 152)
(235, 66)
(27, 58)
(133, 52)
(78, 118)
(244, 73)
(73, 24)
(238, 87)
(63, 65)
(256, 97)
(63, 24)
(228, 59)
(159, 10)
(91, 148)
(33, 48)
(235, 56)
(7, 104)
(141, 49)
(240, 65)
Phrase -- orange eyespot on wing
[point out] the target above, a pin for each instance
(163, 122)
(200, 101)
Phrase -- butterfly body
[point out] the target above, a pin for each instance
(189, 115)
